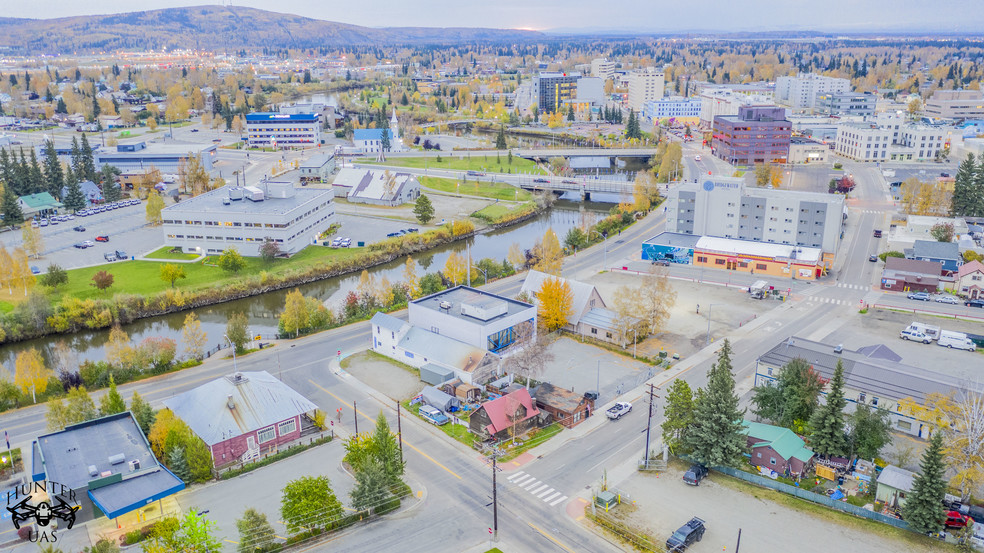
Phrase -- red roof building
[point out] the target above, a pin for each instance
(505, 417)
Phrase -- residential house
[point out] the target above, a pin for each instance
(911, 275)
(41, 204)
(505, 417)
(108, 465)
(893, 485)
(970, 280)
(777, 448)
(589, 316)
(439, 357)
(873, 376)
(946, 254)
(241, 415)
(566, 407)
(91, 191)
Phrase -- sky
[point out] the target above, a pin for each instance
(966, 16)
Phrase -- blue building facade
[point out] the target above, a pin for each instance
(676, 107)
(672, 246)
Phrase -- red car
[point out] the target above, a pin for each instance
(102, 239)
(957, 520)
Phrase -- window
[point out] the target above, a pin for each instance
(408, 354)
(874, 401)
(904, 425)
(287, 427)
(719, 262)
(594, 331)
(758, 455)
(861, 397)
(266, 435)
(608, 335)
(772, 460)
(760, 266)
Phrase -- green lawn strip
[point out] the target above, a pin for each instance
(143, 277)
(494, 211)
(465, 162)
(459, 432)
(838, 517)
(165, 253)
(6, 307)
(539, 438)
(496, 191)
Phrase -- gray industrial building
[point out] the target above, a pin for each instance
(724, 207)
(245, 217)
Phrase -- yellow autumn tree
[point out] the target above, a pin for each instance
(118, 347)
(410, 278)
(295, 315)
(455, 268)
(550, 256)
(30, 374)
(194, 337)
(367, 285)
(554, 303)
(516, 256)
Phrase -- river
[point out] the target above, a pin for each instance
(264, 309)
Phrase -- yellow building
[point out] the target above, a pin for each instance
(759, 258)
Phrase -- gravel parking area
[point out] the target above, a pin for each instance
(384, 375)
(579, 367)
(662, 503)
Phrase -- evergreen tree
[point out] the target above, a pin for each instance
(111, 403)
(111, 190)
(423, 209)
(74, 199)
(827, 424)
(22, 176)
(88, 162)
(794, 397)
(6, 169)
(500, 139)
(35, 177)
(387, 451)
(70, 176)
(716, 436)
(962, 201)
(61, 107)
(12, 213)
(178, 464)
(142, 412)
(54, 177)
(679, 415)
(384, 143)
(96, 110)
(923, 508)
(370, 486)
(570, 113)
(255, 532)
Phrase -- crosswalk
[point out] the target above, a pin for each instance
(536, 488)
(852, 286)
(832, 301)
(869, 210)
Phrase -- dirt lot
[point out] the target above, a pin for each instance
(768, 521)
(383, 374)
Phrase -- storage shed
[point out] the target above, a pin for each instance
(435, 374)
(436, 398)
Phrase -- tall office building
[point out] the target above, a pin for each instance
(552, 89)
(645, 85)
(602, 68)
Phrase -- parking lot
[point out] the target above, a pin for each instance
(367, 229)
(124, 227)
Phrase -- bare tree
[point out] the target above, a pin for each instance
(656, 297)
(964, 439)
(530, 355)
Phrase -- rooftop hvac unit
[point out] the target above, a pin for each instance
(117, 459)
(279, 189)
(93, 471)
(235, 193)
(253, 193)
(134, 465)
(229, 403)
(445, 305)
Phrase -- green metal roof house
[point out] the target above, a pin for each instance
(777, 448)
(35, 204)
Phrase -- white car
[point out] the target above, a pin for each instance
(947, 299)
(697, 157)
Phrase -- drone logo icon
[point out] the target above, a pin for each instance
(42, 502)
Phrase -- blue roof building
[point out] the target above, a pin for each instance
(283, 130)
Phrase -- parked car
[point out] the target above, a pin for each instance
(413, 229)
(569, 181)
(102, 238)
(88, 244)
(35, 270)
(686, 535)
(974, 303)
(35, 224)
(79, 228)
(921, 296)
(695, 474)
(433, 415)
(956, 520)
(618, 410)
(914, 335)
(109, 257)
(661, 262)
(878, 233)
(872, 258)
(346, 242)
(394, 234)
(955, 340)
(947, 299)
(120, 254)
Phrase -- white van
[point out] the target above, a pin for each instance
(915, 336)
(957, 340)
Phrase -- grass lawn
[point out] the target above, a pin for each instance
(6, 307)
(143, 277)
(540, 437)
(495, 211)
(459, 432)
(498, 190)
(165, 253)
(465, 162)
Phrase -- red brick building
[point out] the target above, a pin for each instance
(243, 415)
(911, 275)
(758, 134)
(566, 407)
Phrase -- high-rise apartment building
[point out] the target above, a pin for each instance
(645, 85)
(801, 91)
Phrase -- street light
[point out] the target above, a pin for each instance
(604, 240)
(235, 367)
(707, 338)
(485, 274)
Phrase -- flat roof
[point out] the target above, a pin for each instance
(318, 161)
(131, 494)
(674, 239)
(211, 202)
(275, 116)
(470, 296)
(760, 249)
(799, 195)
(160, 150)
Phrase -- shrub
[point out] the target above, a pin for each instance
(134, 536)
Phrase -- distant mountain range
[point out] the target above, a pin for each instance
(220, 28)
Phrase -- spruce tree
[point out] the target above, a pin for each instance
(111, 190)
(178, 464)
(962, 201)
(500, 139)
(74, 199)
(717, 435)
(111, 403)
(977, 203)
(384, 142)
(6, 170)
(61, 107)
(22, 176)
(142, 412)
(923, 508)
(386, 450)
(54, 177)
(12, 213)
(35, 177)
(88, 162)
(827, 423)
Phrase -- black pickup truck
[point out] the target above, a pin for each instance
(689, 533)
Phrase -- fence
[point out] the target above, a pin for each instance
(813, 497)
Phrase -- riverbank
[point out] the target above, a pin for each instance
(78, 306)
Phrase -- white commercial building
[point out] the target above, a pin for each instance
(801, 91)
(247, 217)
(283, 130)
(472, 316)
(673, 107)
(645, 85)
(715, 102)
(955, 104)
(590, 90)
(724, 207)
(602, 68)
(891, 139)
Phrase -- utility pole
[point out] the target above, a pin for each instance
(356, 409)
(399, 429)
(649, 421)
(495, 503)
(738, 545)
